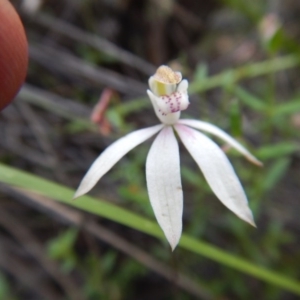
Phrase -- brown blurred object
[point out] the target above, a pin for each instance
(295, 119)
(269, 25)
(13, 54)
(98, 113)
(31, 6)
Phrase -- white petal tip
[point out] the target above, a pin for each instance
(77, 195)
(255, 161)
(80, 192)
(152, 97)
(248, 217)
(174, 237)
(173, 243)
(183, 86)
(173, 248)
(252, 223)
(149, 93)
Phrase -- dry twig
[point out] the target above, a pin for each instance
(28, 276)
(70, 66)
(33, 247)
(77, 218)
(92, 40)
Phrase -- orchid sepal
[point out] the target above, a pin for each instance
(168, 95)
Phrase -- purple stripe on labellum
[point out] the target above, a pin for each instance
(173, 103)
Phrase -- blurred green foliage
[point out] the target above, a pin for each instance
(5, 289)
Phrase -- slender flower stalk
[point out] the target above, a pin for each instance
(168, 94)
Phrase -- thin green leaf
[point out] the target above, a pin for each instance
(291, 107)
(248, 71)
(235, 118)
(249, 99)
(62, 245)
(15, 177)
(278, 150)
(275, 173)
(201, 72)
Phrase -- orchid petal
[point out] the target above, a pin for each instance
(111, 155)
(222, 135)
(151, 83)
(217, 170)
(164, 184)
(183, 86)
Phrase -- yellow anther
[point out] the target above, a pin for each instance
(166, 75)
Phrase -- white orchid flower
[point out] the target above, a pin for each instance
(168, 94)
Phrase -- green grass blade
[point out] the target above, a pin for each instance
(15, 177)
(291, 107)
(250, 100)
(247, 71)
